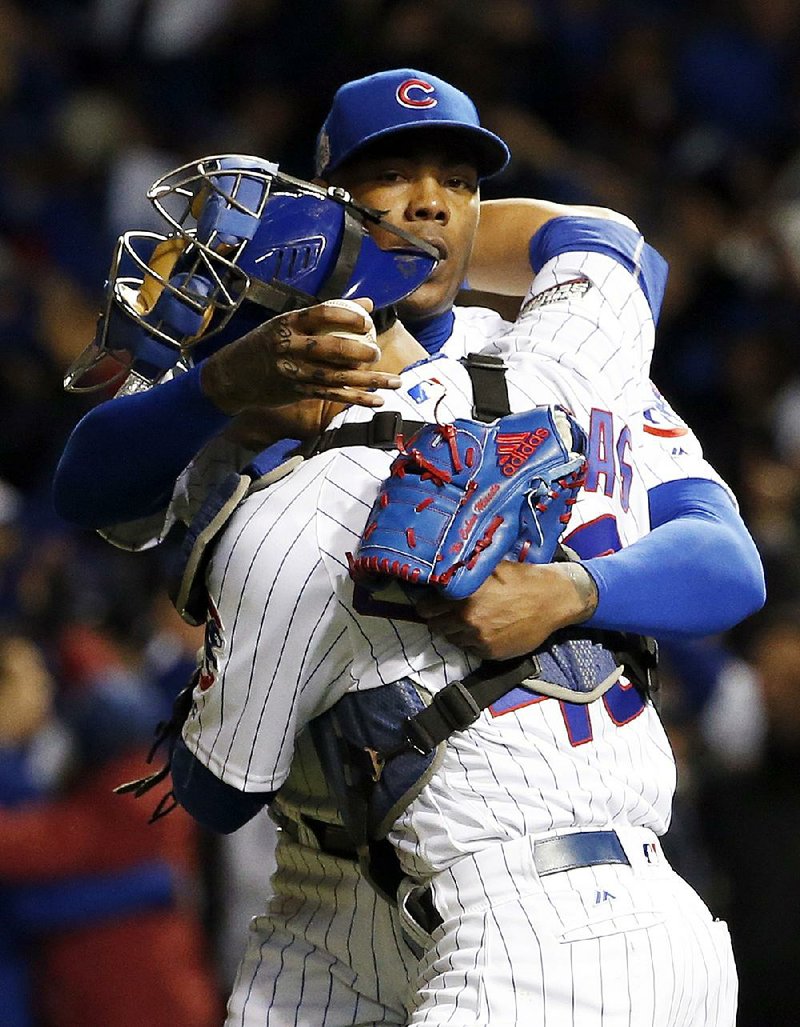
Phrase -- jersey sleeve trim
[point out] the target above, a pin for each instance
(213, 803)
(599, 235)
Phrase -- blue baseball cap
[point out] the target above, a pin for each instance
(388, 102)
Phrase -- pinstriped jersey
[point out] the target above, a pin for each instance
(289, 633)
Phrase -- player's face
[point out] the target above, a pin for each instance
(434, 195)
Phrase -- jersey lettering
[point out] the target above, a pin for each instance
(595, 538)
(600, 456)
(577, 723)
(625, 469)
(661, 420)
(623, 703)
(608, 459)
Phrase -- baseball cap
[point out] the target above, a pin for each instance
(388, 102)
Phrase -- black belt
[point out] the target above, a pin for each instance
(583, 849)
(550, 855)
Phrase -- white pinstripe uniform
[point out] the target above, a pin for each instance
(605, 945)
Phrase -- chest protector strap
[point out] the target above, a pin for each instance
(379, 747)
(489, 388)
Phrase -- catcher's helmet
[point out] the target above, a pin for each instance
(244, 240)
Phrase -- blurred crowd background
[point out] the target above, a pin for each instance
(685, 115)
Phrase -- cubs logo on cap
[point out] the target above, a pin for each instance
(416, 93)
(402, 100)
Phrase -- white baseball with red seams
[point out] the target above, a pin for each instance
(368, 335)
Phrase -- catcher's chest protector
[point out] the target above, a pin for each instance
(372, 772)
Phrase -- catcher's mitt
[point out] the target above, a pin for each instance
(462, 496)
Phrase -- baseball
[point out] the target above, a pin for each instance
(368, 336)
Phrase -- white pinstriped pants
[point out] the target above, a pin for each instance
(606, 946)
(327, 952)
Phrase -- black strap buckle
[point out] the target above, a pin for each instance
(452, 709)
(383, 429)
(489, 390)
(378, 433)
(487, 361)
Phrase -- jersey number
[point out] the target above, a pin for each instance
(622, 702)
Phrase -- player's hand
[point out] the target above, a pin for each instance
(258, 427)
(515, 610)
(300, 355)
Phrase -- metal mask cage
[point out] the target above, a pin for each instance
(242, 183)
(97, 368)
(165, 293)
(152, 273)
(162, 295)
(219, 204)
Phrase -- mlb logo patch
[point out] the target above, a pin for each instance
(651, 853)
(423, 391)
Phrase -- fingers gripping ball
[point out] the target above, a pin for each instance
(368, 335)
(462, 496)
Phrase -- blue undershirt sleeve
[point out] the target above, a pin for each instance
(123, 458)
(214, 804)
(696, 573)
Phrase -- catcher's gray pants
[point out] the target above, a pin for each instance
(327, 951)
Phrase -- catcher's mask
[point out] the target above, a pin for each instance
(244, 239)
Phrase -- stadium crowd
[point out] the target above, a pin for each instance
(685, 116)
